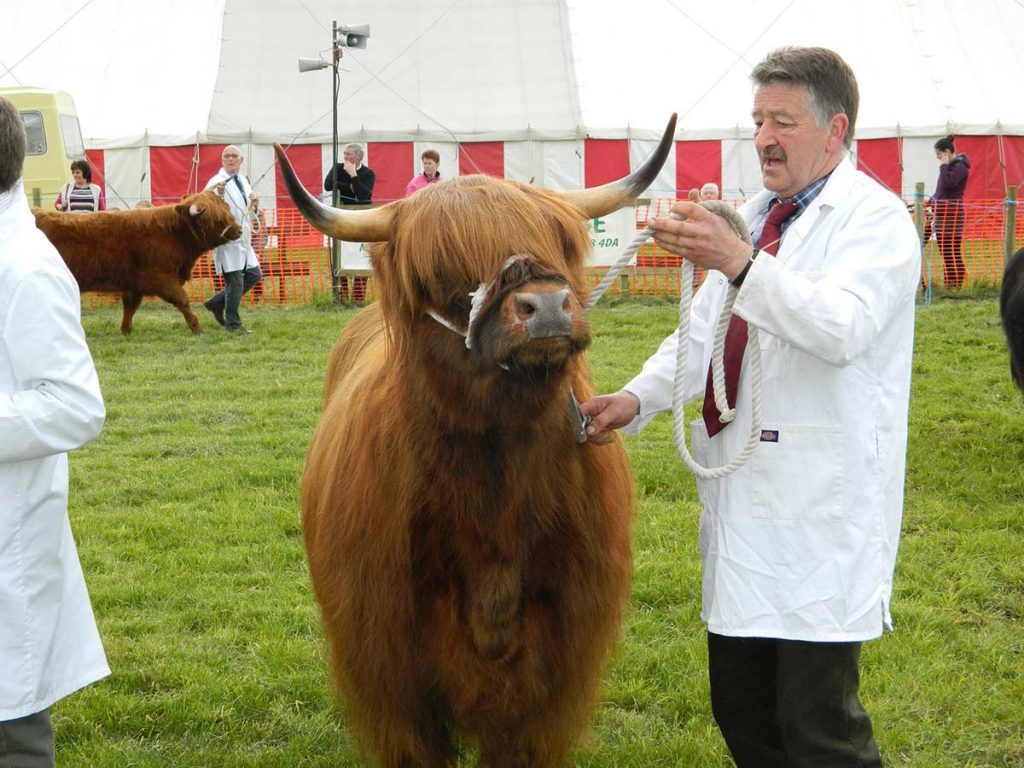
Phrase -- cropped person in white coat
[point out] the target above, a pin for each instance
(798, 547)
(50, 404)
(236, 261)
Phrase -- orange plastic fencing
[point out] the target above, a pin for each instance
(982, 245)
(296, 258)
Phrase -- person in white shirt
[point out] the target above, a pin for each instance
(798, 546)
(50, 403)
(236, 261)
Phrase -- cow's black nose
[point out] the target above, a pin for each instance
(544, 314)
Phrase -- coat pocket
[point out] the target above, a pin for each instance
(799, 474)
(701, 454)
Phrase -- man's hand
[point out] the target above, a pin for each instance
(704, 238)
(350, 169)
(609, 412)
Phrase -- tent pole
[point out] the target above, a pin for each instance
(335, 197)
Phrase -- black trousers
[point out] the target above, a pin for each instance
(27, 742)
(790, 704)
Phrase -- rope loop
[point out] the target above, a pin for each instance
(728, 413)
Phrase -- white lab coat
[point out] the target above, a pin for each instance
(236, 254)
(801, 542)
(50, 404)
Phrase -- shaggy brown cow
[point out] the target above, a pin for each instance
(470, 557)
(141, 252)
(1011, 309)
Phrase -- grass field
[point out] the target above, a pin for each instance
(187, 521)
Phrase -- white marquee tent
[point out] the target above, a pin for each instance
(561, 92)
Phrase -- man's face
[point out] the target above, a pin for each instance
(231, 160)
(350, 156)
(708, 194)
(429, 166)
(793, 151)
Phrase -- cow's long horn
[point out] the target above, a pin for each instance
(354, 226)
(599, 201)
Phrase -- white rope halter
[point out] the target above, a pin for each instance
(683, 347)
(479, 298)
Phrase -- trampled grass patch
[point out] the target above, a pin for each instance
(187, 520)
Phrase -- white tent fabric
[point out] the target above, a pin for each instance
(132, 67)
(924, 67)
(432, 70)
(541, 76)
(503, 69)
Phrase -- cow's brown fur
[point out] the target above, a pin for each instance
(471, 559)
(141, 252)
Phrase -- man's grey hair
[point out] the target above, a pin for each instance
(830, 83)
(357, 149)
(12, 144)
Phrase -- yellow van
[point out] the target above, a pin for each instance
(54, 140)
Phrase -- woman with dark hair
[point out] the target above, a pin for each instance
(948, 209)
(82, 194)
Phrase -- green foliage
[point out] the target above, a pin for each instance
(187, 520)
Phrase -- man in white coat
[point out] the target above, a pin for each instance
(236, 261)
(798, 547)
(50, 404)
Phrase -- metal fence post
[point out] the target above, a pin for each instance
(919, 223)
(1010, 231)
(919, 208)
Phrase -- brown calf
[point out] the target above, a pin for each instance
(141, 252)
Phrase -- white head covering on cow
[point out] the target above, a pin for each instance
(234, 187)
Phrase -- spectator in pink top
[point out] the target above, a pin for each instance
(431, 160)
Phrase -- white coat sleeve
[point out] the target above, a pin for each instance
(56, 406)
(870, 265)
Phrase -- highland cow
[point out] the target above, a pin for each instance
(471, 557)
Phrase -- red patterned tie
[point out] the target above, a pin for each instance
(736, 336)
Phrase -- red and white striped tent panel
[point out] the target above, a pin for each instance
(164, 174)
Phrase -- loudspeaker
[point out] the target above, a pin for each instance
(353, 35)
(308, 65)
